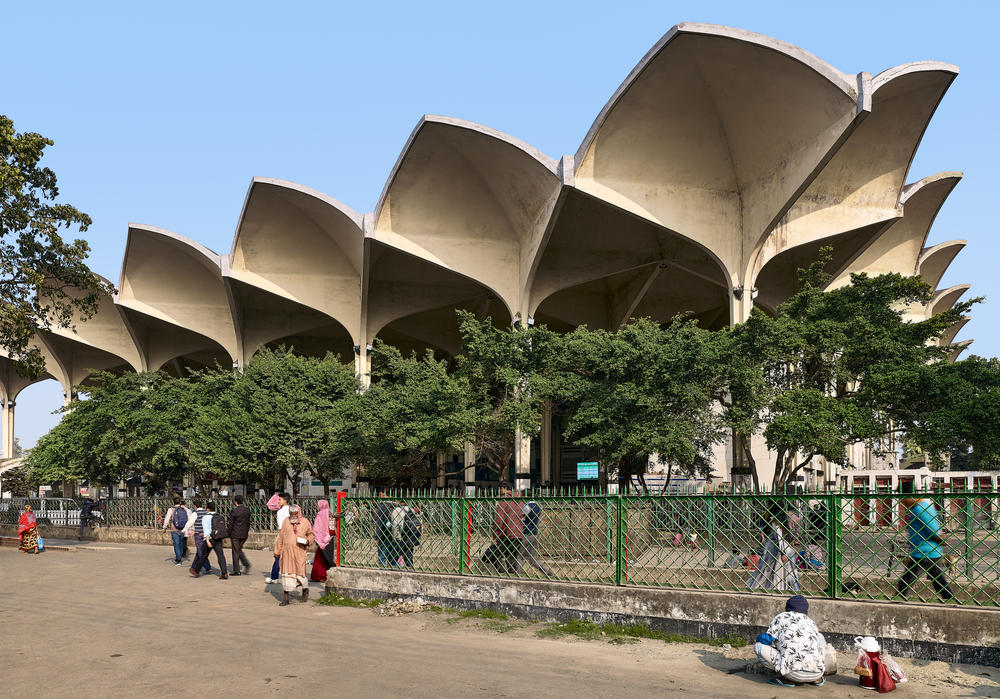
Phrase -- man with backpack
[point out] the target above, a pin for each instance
(406, 531)
(384, 543)
(218, 531)
(195, 528)
(177, 519)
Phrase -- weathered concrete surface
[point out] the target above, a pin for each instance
(15, 542)
(130, 535)
(933, 632)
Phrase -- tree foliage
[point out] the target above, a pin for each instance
(44, 280)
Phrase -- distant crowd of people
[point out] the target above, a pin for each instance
(209, 529)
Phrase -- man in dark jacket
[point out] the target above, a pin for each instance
(239, 530)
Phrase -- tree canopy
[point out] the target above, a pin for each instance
(44, 280)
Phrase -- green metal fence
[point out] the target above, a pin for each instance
(837, 545)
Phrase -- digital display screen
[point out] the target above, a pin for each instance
(587, 471)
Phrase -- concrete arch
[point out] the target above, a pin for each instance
(898, 247)
(177, 281)
(944, 299)
(934, 261)
(104, 332)
(959, 349)
(302, 245)
(716, 133)
(863, 183)
(469, 199)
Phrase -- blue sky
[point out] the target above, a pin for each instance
(162, 112)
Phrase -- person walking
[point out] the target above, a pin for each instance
(294, 539)
(776, 568)
(925, 538)
(279, 505)
(406, 530)
(195, 529)
(385, 545)
(217, 529)
(529, 541)
(176, 519)
(239, 532)
(323, 559)
(508, 530)
(792, 646)
(27, 530)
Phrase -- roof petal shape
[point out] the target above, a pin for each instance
(715, 134)
(934, 261)
(948, 336)
(863, 182)
(898, 247)
(469, 199)
(179, 282)
(944, 299)
(300, 244)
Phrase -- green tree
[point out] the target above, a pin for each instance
(44, 280)
(510, 374)
(834, 367)
(120, 427)
(414, 408)
(281, 417)
(644, 389)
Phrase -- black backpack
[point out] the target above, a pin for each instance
(220, 530)
(412, 528)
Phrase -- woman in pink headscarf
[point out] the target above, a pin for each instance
(324, 542)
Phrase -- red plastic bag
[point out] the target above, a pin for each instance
(883, 680)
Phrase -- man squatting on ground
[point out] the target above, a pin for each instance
(793, 646)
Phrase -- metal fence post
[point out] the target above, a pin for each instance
(466, 531)
(833, 552)
(969, 543)
(711, 531)
(621, 546)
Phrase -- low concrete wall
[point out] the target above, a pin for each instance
(932, 632)
(129, 535)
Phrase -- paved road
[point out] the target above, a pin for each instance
(123, 621)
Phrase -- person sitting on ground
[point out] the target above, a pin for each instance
(792, 646)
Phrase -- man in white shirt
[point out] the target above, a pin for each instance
(282, 514)
(177, 515)
(196, 529)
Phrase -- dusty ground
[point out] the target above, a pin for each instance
(120, 620)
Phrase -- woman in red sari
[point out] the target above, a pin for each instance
(27, 530)
(323, 558)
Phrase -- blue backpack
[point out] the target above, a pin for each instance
(180, 517)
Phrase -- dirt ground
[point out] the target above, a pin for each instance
(122, 620)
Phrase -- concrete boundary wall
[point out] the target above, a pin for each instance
(923, 631)
(131, 535)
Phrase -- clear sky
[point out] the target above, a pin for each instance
(162, 112)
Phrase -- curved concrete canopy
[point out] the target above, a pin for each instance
(106, 332)
(469, 199)
(300, 244)
(898, 247)
(591, 240)
(177, 281)
(934, 261)
(863, 182)
(959, 348)
(716, 133)
(944, 299)
(948, 336)
(78, 360)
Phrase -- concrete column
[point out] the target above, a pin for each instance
(8, 432)
(545, 444)
(4, 454)
(470, 469)
(441, 456)
(363, 365)
(522, 461)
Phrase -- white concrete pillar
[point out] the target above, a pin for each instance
(441, 456)
(363, 365)
(470, 469)
(4, 454)
(545, 444)
(8, 430)
(522, 461)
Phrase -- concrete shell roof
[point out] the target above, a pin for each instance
(723, 159)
